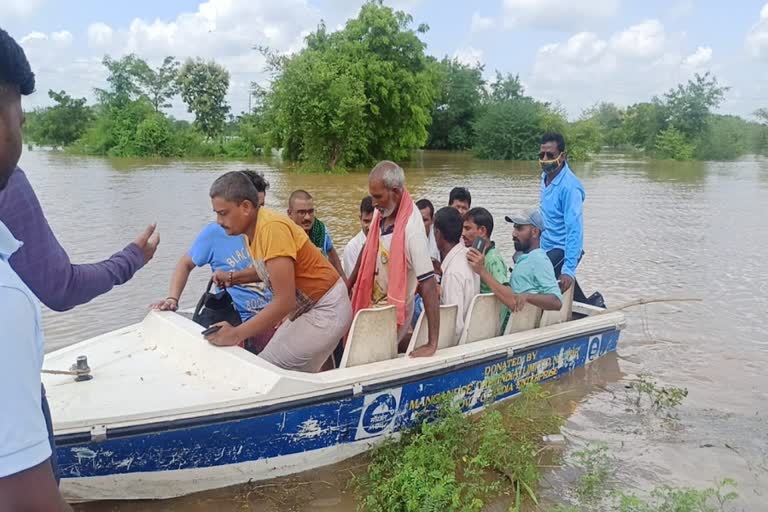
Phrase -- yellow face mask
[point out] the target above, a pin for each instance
(549, 166)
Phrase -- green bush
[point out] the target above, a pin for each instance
(510, 130)
(671, 145)
(154, 137)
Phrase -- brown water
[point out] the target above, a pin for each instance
(652, 229)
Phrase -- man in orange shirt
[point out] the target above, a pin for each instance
(305, 287)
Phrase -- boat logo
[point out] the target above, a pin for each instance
(594, 349)
(379, 413)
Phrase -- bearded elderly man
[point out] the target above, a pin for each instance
(395, 260)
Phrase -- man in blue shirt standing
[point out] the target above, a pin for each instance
(562, 196)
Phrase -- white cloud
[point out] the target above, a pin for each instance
(481, 23)
(557, 14)
(628, 66)
(581, 48)
(757, 38)
(643, 41)
(99, 35)
(469, 55)
(698, 59)
(60, 39)
(19, 8)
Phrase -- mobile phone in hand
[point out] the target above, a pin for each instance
(212, 329)
(480, 244)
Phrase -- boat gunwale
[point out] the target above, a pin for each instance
(245, 410)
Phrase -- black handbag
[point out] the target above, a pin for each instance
(215, 307)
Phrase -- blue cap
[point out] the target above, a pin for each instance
(531, 217)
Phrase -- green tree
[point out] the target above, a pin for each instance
(762, 115)
(159, 85)
(123, 79)
(671, 144)
(642, 122)
(203, 86)
(608, 118)
(689, 105)
(63, 123)
(506, 87)
(355, 95)
(510, 130)
(459, 101)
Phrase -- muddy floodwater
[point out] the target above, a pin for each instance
(652, 229)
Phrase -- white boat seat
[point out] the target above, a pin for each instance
(447, 336)
(525, 319)
(563, 315)
(483, 319)
(372, 337)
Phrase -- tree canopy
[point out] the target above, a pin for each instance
(356, 95)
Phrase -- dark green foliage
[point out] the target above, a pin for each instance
(458, 103)
(356, 95)
(59, 125)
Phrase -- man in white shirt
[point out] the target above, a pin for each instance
(459, 283)
(399, 227)
(26, 475)
(355, 246)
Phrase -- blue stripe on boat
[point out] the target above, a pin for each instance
(326, 424)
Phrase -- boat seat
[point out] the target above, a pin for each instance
(372, 337)
(563, 315)
(483, 319)
(524, 320)
(447, 335)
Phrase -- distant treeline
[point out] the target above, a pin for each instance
(370, 92)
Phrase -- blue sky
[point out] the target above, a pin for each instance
(573, 52)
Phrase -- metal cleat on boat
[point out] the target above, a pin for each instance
(82, 369)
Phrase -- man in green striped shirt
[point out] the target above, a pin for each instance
(478, 222)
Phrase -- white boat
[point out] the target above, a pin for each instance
(166, 413)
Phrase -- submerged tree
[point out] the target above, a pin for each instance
(203, 87)
(355, 95)
(459, 100)
(61, 124)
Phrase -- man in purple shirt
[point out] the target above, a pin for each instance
(44, 267)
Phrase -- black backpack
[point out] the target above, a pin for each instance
(216, 307)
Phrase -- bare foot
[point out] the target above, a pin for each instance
(424, 351)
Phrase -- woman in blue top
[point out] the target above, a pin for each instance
(227, 254)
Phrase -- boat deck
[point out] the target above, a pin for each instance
(164, 369)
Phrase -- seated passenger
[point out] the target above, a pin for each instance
(301, 209)
(428, 215)
(461, 199)
(478, 223)
(305, 287)
(226, 255)
(533, 279)
(355, 246)
(395, 258)
(459, 284)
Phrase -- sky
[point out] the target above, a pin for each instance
(573, 52)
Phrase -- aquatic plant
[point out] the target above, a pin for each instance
(458, 463)
(660, 400)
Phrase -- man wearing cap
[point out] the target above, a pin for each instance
(533, 278)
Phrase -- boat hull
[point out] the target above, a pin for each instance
(164, 460)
